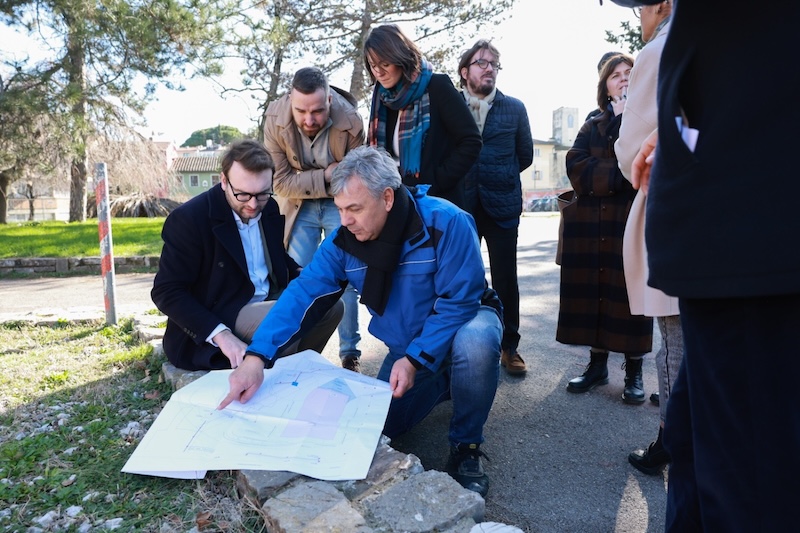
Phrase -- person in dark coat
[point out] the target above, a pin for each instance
(493, 187)
(418, 116)
(223, 265)
(594, 309)
(733, 427)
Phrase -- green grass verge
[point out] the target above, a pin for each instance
(67, 395)
(130, 236)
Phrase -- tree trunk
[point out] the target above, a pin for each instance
(76, 54)
(272, 94)
(31, 198)
(77, 189)
(5, 181)
(357, 84)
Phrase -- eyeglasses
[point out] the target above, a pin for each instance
(482, 63)
(245, 197)
(627, 3)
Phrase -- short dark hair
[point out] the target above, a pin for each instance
(482, 44)
(605, 73)
(606, 57)
(309, 80)
(390, 44)
(250, 153)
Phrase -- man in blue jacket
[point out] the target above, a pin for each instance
(492, 186)
(416, 262)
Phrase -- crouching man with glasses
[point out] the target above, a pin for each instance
(223, 265)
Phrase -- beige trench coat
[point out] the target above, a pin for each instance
(639, 120)
(293, 180)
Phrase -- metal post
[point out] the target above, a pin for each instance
(106, 246)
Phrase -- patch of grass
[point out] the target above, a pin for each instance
(130, 236)
(74, 403)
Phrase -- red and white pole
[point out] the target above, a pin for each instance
(106, 245)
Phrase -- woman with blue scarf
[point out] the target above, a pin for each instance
(418, 116)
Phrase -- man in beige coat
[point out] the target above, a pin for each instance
(641, 118)
(307, 132)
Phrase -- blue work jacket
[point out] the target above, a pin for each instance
(436, 288)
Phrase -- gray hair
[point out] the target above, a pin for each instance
(374, 166)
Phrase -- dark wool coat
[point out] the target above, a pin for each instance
(594, 308)
(451, 145)
(202, 277)
(703, 239)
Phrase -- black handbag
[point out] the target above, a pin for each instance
(566, 201)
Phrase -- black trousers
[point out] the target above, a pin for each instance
(502, 245)
(733, 419)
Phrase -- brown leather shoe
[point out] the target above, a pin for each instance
(513, 363)
(351, 363)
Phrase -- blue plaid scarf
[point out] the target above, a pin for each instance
(414, 118)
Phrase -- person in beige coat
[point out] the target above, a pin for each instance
(641, 118)
(307, 132)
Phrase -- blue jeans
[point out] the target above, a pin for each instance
(314, 217)
(469, 377)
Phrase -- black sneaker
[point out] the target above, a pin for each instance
(464, 465)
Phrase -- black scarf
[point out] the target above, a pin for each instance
(382, 255)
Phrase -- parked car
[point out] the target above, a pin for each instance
(545, 203)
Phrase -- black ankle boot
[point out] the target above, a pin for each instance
(652, 460)
(596, 373)
(634, 387)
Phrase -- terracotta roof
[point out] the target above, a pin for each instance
(196, 164)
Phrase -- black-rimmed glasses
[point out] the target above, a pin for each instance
(245, 197)
(483, 64)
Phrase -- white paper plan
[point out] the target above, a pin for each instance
(309, 417)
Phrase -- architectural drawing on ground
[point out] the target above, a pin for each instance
(309, 417)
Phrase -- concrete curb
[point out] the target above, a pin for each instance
(71, 265)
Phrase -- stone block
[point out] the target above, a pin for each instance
(311, 508)
(178, 377)
(260, 485)
(147, 334)
(37, 262)
(188, 377)
(428, 502)
(62, 264)
(388, 467)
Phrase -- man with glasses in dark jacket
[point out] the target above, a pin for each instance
(492, 186)
(223, 265)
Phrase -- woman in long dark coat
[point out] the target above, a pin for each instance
(594, 308)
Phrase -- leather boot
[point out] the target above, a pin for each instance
(634, 386)
(596, 373)
(652, 460)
